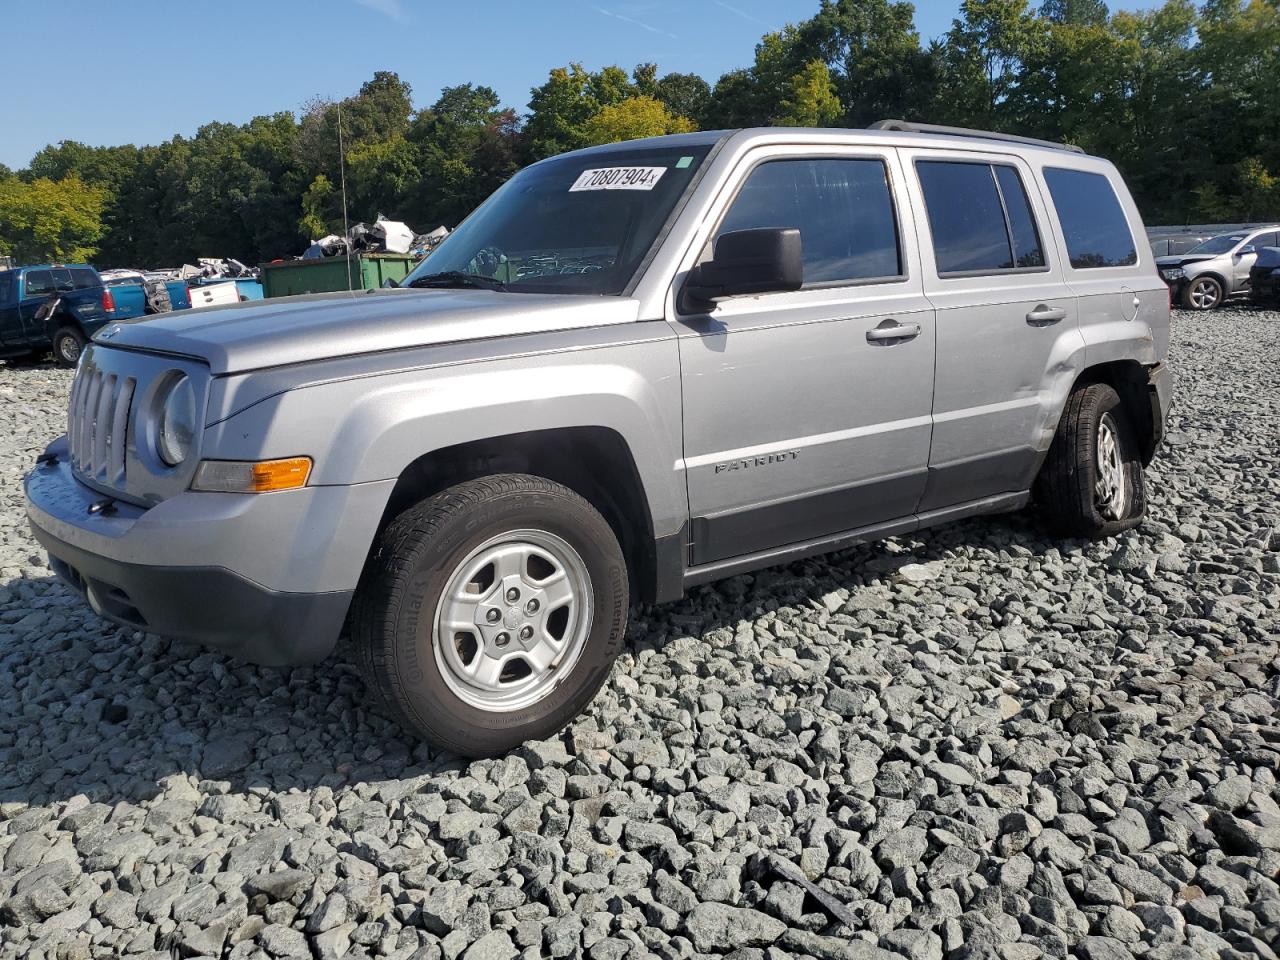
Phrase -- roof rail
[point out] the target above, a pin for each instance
(907, 126)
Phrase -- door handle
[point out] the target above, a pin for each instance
(890, 330)
(1044, 314)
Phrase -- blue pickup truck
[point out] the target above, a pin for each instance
(77, 304)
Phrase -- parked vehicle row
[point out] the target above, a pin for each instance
(60, 307)
(633, 369)
(1208, 274)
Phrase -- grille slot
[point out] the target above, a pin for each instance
(98, 423)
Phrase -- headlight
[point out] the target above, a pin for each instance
(177, 422)
(1174, 273)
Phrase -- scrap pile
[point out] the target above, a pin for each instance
(381, 236)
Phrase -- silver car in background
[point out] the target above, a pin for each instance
(1210, 272)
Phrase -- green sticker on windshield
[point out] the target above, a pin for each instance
(683, 162)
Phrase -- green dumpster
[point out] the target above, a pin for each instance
(368, 271)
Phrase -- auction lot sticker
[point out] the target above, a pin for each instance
(618, 178)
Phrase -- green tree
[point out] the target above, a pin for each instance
(812, 100)
(873, 51)
(984, 54)
(50, 220)
(685, 95)
(632, 119)
(316, 204)
(467, 146)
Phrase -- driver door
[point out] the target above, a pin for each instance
(803, 417)
(37, 286)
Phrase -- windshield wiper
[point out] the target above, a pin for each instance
(456, 278)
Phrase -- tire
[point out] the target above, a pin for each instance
(1073, 489)
(442, 548)
(68, 343)
(1203, 293)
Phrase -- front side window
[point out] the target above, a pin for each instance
(62, 280)
(39, 283)
(979, 217)
(6, 287)
(842, 208)
(1093, 222)
(581, 223)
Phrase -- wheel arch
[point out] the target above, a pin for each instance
(1222, 282)
(1131, 380)
(593, 461)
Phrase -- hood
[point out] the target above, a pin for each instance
(1182, 259)
(289, 330)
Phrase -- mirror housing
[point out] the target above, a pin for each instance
(1246, 249)
(764, 260)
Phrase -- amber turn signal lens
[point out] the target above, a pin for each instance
(263, 476)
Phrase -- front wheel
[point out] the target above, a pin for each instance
(491, 613)
(1202, 293)
(1091, 483)
(68, 343)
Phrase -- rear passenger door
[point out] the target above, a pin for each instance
(806, 413)
(1005, 317)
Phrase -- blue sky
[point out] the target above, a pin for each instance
(139, 71)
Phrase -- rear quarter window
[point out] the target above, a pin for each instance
(84, 279)
(1093, 222)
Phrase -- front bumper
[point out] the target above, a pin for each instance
(268, 577)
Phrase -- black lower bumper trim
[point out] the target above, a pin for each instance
(209, 605)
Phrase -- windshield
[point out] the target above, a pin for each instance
(576, 224)
(1222, 244)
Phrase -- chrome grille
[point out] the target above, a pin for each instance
(97, 424)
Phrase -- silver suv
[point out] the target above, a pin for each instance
(633, 369)
(1210, 272)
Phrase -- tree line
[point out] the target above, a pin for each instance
(1182, 98)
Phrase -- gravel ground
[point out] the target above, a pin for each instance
(977, 742)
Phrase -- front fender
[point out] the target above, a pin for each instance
(369, 428)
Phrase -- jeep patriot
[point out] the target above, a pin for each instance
(633, 369)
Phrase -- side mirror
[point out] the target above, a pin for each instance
(766, 260)
(389, 284)
(1246, 249)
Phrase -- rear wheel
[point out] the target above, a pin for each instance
(491, 613)
(1091, 484)
(68, 343)
(1202, 293)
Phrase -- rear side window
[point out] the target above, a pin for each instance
(1093, 222)
(84, 279)
(979, 217)
(39, 283)
(843, 209)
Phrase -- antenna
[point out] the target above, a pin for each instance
(342, 171)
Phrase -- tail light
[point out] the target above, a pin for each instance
(108, 301)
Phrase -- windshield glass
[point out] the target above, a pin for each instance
(576, 224)
(1220, 244)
